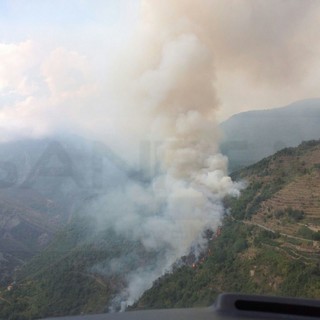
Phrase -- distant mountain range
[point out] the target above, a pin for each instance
(253, 135)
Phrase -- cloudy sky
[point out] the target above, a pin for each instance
(59, 59)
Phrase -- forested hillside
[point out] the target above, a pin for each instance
(72, 275)
(269, 240)
(269, 243)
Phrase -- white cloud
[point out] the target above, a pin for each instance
(17, 61)
(68, 74)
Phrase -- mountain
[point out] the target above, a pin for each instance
(42, 184)
(68, 273)
(77, 273)
(269, 242)
(250, 136)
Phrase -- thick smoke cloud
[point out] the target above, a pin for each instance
(171, 87)
(265, 54)
(259, 37)
(258, 46)
(171, 83)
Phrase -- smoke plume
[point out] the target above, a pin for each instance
(165, 85)
(171, 88)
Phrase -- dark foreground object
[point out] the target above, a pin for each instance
(227, 307)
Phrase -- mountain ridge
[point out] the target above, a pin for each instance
(42, 184)
(255, 251)
(253, 135)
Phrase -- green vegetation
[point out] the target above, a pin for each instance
(294, 215)
(307, 233)
(66, 277)
(246, 257)
(243, 259)
(267, 245)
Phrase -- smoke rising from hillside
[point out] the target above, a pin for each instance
(172, 91)
(165, 87)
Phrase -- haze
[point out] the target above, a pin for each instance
(57, 58)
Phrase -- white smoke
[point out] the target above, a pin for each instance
(162, 89)
(171, 89)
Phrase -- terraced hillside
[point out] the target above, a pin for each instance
(292, 207)
(269, 242)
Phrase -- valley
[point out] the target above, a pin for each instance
(54, 261)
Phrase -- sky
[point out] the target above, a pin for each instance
(60, 60)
